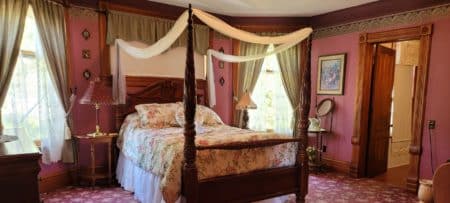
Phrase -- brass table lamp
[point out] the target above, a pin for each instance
(97, 94)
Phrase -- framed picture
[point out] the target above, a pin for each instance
(331, 74)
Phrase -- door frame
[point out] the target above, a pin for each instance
(363, 90)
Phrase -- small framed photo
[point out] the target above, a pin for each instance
(331, 74)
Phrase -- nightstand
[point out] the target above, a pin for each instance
(91, 172)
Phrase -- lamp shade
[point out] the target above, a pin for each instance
(97, 93)
(245, 102)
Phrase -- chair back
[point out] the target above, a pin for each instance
(441, 184)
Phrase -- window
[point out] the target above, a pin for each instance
(274, 111)
(32, 107)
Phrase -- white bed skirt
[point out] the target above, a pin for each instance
(145, 185)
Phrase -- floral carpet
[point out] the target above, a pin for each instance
(336, 188)
(323, 188)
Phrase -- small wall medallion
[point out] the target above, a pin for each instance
(86, 53)
(87, 74)
(221, 81)
(221, 63)
(86, 34)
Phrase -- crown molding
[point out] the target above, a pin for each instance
(410, 17)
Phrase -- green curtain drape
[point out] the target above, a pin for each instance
(248, 73)
(290, 72)
(134, 27)
(12, 22)
(50, 21)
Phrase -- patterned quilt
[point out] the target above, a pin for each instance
(160, 151)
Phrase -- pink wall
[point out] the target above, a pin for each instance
(438, 96)
(338, 143)
(437, 108)
(83, 116)
(223, 93)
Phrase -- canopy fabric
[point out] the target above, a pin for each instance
(148, 29)
(285, 41)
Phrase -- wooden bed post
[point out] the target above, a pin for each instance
(190, 179)
(304, 107)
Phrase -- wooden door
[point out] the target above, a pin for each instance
(380, 111)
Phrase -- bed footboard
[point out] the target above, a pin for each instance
(250, 186)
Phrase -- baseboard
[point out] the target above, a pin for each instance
(337, 165)
(55, 181)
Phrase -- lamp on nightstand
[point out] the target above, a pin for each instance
(244, 104)
(97, 94)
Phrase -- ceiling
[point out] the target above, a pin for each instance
(260, 8)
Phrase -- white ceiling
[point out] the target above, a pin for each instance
(300, 8)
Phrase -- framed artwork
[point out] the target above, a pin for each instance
(331, 74)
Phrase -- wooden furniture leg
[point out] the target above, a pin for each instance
(109, 164)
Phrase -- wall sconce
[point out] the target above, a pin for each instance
(221, 81)
(87, 74)
(86, 34)
(86, 53)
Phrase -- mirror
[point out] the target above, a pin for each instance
(324, 107)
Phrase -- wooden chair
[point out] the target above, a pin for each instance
(441, 184)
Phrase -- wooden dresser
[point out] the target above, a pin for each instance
(19, 168)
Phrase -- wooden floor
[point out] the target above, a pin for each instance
(395, 176)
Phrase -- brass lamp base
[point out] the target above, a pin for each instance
(97, 132)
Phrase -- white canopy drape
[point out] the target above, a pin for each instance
(285, 41)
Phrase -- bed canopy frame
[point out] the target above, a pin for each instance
(248, 186)
(245, 187)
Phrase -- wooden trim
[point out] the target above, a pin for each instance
(337, 165)
(248, 144)
(56, 180)
(68, 47)
(370, 10)
(105, 66)
(234, 77)
(268, 24)
(362, 104)
(252, 24)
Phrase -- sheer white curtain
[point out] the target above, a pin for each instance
(32, 109)
(274, 112)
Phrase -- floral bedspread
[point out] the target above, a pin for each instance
(160, 151)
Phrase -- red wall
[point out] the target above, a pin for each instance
(438, 94)
(223, 93)
(338, 143)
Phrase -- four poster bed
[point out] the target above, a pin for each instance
(284, 169)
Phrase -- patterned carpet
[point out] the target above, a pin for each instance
(323, 188)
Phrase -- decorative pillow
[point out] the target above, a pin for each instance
(203, 116)
(179, 117)
(210, 116)
(157, 115)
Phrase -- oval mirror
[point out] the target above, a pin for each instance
(324, 107)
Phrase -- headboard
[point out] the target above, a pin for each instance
(142, 90)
